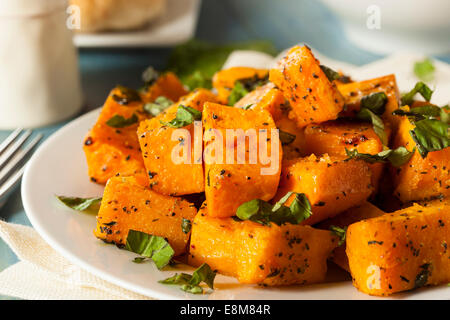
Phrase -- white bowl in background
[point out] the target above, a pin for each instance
(405, 25)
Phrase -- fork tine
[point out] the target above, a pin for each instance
(9, 184)
(20, 155)
(5, 143)
(14, 147)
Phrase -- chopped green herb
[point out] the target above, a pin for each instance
(420, 113)
(149, 76)
(191, 283)
(375, 102)
(378, 125)
(118, 121)
(422, 276)
(340, 232)
(139, 259)
(150, 246)
(330, 73)
(186, 225)
(430, 135)
(397, 157)
(160, 104)
(424, 69)
(185, 116)
(198, 80)
(262, 212)
(286, 137)
(421, 88)
(126, 96)
(81, 204)
(237, 93)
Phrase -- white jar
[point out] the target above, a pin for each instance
(39, 76)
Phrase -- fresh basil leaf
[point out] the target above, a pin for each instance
(191, 283)
(445, 114)
(81, 204)
(286, 137)
(397, 157)
(330, 73)
(424, 69)
(185, 116)
(186, 225)
(375, 102)
(149, 76)
(237, 93)
(248, 106)
(139, 259)
(340, 232)
(420, 87)
(126, 95)
(262, 212)
(150, 246)
(430, 135)
(420, 113)
(118, 121)
(377, 124)
(160, 104)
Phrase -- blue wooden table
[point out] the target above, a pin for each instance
(285, 23)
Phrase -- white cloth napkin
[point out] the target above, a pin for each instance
(44, 274)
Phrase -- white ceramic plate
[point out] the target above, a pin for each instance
(176, 26)
(59, 167)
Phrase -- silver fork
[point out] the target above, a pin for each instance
(13, 152)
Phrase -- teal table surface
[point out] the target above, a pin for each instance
(283, 22)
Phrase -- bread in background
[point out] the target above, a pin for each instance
(108, 15)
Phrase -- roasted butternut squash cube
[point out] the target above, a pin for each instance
(400, 251)
(343, 220)
(420, 178)
(127, 205)
(333, 137)
(242, 171)
(254, 253)
(167, 85)
(271, 99)
(312, 96)
(353, 93)
(224, 80)
(173, 157)
(112, 150)
(332, 184)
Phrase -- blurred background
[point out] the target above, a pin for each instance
(48, 78)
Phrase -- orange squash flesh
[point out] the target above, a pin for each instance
(331, 184)
(333, 137)
(126, 205)
(355, 91)
(109, 150)
(346, 218)
(228, 185)
(224, 80)
(420, 178)
(400, 251)
(272, 100)
(157, 145)
(253, 253)
(312, 96)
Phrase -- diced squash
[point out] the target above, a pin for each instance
(333, 137)
(169, 174)
(312, 96)
(400, 251)
(271, 99)
(167, 85)
(111, 150)
(254, 253)
(126, 205)
(346, 218)
(353, 93)
(420, 178)
(332, 184)
(233, 181)
(224, 80)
